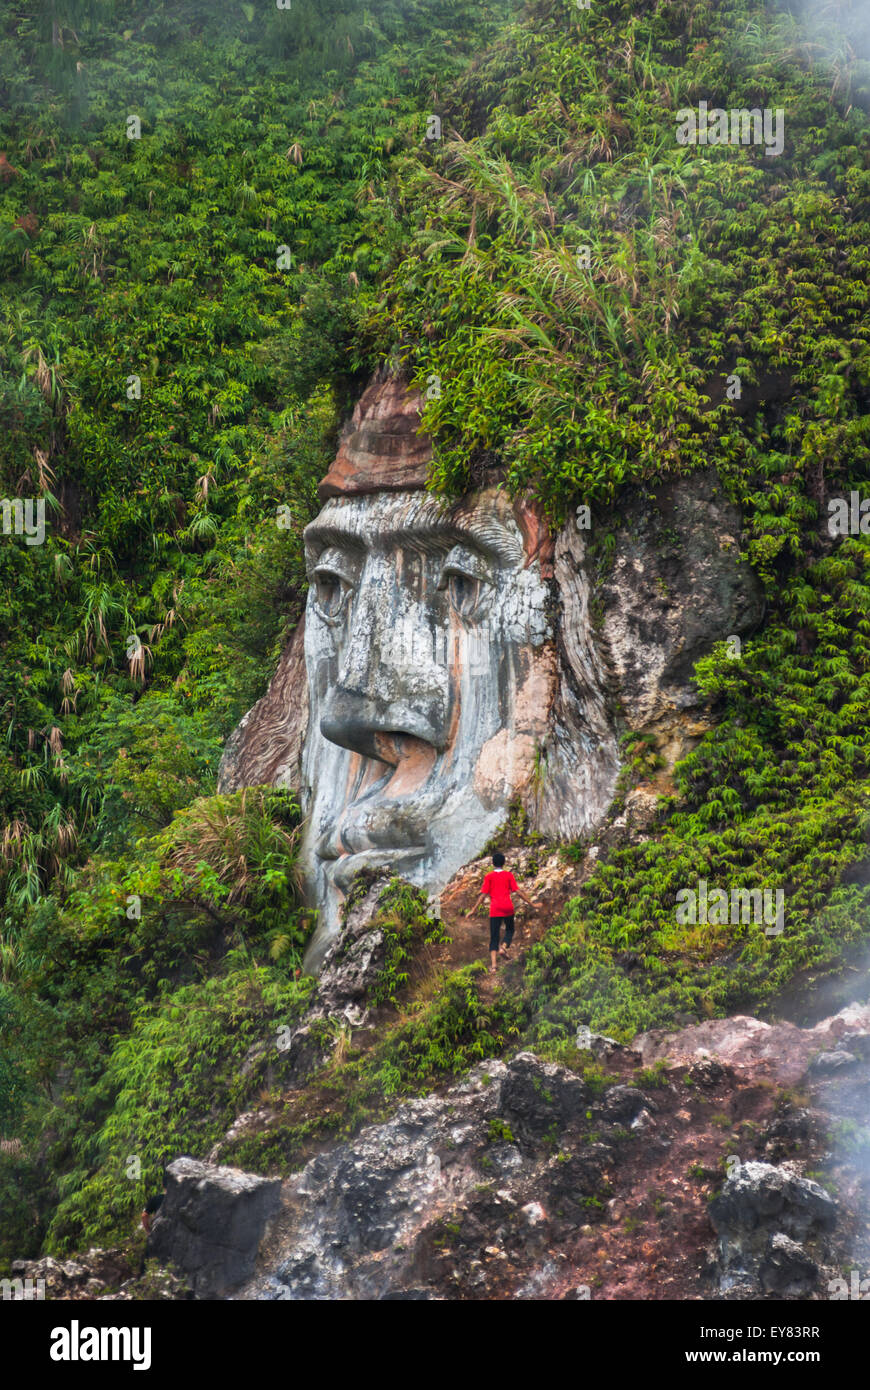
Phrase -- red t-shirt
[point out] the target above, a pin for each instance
(500, 884)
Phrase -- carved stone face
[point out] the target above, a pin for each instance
(449, 663)
(431, 669)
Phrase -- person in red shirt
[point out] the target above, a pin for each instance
(498, 887)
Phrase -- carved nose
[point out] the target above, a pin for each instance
(380, 729)
(389, 687)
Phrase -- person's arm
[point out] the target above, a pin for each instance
(515, 888)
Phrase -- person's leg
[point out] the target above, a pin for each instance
(508, 932)
(494, 924)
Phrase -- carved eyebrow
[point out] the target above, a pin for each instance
(428, 536)
(325, 535)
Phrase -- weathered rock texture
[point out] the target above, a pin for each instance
(381, 449)
(764, 1218)
(676, 586)
(535, 1181)
(366, 1219)
(531, 1180)
(786, 1050)
(266, 745)
(211, 1222)
(460, 658)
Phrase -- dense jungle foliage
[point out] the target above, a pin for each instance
(188, 309)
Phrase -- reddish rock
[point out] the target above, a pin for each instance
(382, 449)
(538, 541)
(266, 746)
(783, 1050)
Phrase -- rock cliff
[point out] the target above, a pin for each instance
(458, 659)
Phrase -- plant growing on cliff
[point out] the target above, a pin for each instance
(403, 919)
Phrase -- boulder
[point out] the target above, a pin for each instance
(787, 1268)
(763, 1217)
(538, 1099)
(828, 1062)
(760, 1194)
(211, 1223)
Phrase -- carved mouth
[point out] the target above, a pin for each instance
(388, 820)
(400, 860)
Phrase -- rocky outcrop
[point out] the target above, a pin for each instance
(676, 585)
(381, 448)
(356, 959)
(266, 745)
(364, 1220)
(765, 1217)
(211, 1223)
(86, 1277)
(605, 1179)
(782, 1049)
(98, 1275)
(532, 1180)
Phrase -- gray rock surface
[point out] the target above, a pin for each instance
(786, 1267)
(211, 1223)
(676, 585)
(827, 1062)
(480, 1166)
(764, 1217)
(356, 958)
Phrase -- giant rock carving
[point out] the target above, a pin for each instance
(447, 664)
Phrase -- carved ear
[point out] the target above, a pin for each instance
(266, 746)
(539, 543)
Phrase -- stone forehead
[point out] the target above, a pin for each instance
(486, 518)
(383, 451)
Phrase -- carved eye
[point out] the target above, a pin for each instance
(466, 579)
(333, 581)
(330, 594)
(464, 593)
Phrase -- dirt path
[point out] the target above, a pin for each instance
(543, 876)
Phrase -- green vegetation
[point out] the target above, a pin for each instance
(406, 927)
(500, 1133)
(656, 1076)
(281, 227)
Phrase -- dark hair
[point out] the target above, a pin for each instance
(498, 859)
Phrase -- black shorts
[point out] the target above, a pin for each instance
(494, 925)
